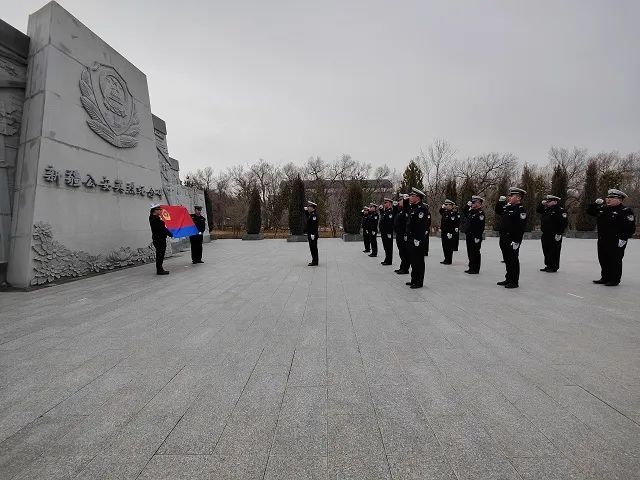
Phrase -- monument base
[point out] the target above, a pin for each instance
(351, 237)
(297, 238)
(253, 236)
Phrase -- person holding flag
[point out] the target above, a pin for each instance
(159, 234)
(196, 240)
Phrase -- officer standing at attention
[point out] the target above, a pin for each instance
(400, 228)
(416, 232)
(512, 227)
(426, 238)
(159, 234)
(616, 225)
(196, 240)
(365, 229)
(372, 222)
(474, 229)
(449, 230)
(553, 223)
(386, 231)
(312, 231)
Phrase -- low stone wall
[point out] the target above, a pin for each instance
(352, 237)
(297, 238)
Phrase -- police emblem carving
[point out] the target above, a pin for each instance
(110, 105)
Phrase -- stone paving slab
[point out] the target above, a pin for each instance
(255, 366)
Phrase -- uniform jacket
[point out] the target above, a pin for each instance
(400, 220)
(312, 223)
(553, 220)
(474, 226)
(372, 222)
(200, 223)
(449, 221)
(614, 223)
(514, 221)
(364, 222)
(417, 221)
(386, 221)
(159, 232)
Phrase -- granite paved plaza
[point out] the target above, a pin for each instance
(256, 366)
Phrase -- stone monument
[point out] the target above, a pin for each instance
(87, 164)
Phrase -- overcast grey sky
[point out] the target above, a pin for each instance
(284, 80)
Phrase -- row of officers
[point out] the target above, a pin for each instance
(408, 220)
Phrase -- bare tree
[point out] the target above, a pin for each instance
(485, 171)
(436, 164)
(573, 161)
(243, 181)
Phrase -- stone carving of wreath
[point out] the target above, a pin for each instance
(107, 100)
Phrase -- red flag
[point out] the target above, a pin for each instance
(178, 221)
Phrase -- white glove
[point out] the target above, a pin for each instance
(199, 233)
(304, 208)
(502, 198)
(476, 240)
(599, 201)
(313, 237)
(515, 245)
(456, 229)
(449, 236)
(544, 202)
(395, 204)
(622, 243)
(558, 238)
(388, 235)
(416, 243)
(469, 203)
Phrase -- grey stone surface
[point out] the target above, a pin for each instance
(335, 372)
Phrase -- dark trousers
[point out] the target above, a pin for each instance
(161, 248)
(511, 260)
(387, 244)
(610, 257)
(402, 253)
(416, 258)
(367, 241)
(447, 247)
(473, 252)
(551, 250)
(196, 248)
(374, 244)
(426, 244)
(313, 247)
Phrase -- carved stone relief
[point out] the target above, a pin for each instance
(110, 105)
(54, 261)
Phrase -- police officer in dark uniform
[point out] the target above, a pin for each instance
(196, 240)
(426, 238)
(400, 228)
(365, 229)
(312, 231)
(474, 230)
(512, 227)
(416, 232)
(159, 234)
(553, 223)
(372, 222)
(449, 230)
(386, 230)
(616, 225)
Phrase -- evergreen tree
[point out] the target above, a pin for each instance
(352, 217)
(467, 190)
(529, 183)
(609, 179)
(412, 178)
(451, 190)
(296, 207)
(584, 222)
(501, 189)
(254, 215)
(560, 182)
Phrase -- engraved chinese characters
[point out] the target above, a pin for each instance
(72, 178)
(111, 107)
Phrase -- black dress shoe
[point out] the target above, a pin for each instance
(416, 286)
(612, 284)
(408, 283)
(502, 283)
(386, 263)
(445, 262)
(511, 285)
(163, 272)
(551, 270)
(373, 255)
(402, 272)
(312, 264)
(471, 272)
(545, 269)
(398, 270)
(601, 281)
(366, 251)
